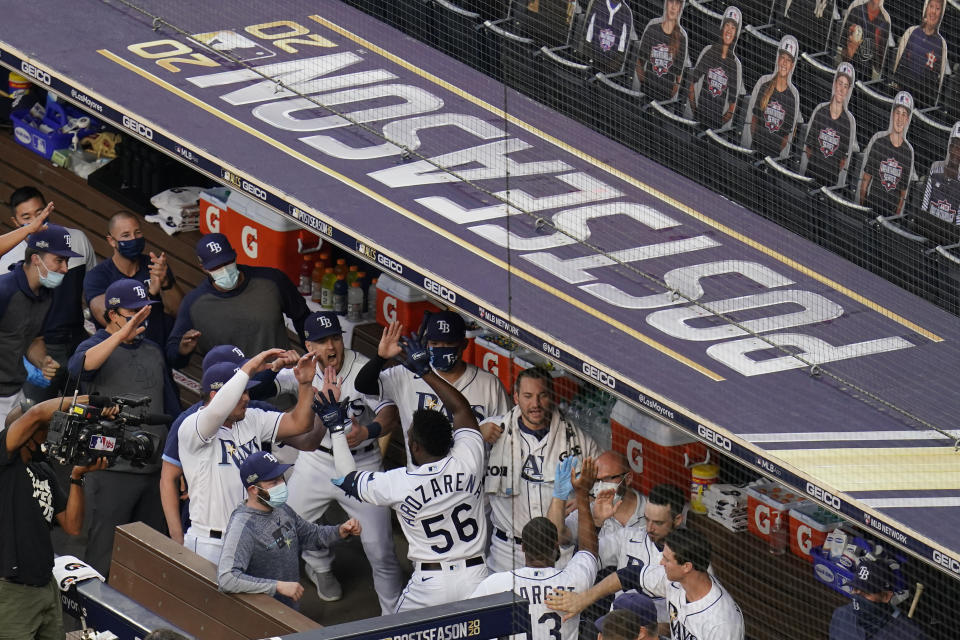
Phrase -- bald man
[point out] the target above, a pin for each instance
(615, 504)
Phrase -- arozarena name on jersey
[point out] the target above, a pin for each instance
(554, 183)
(438, 486)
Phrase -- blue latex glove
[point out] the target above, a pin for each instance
(35, 375)
(348, 484)
(418, 359)
(562, 487)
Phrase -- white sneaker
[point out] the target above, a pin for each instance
(328, 589)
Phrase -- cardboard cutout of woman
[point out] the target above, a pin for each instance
(718, 76)
(607, 34)
(774, 106)
(922, 57)
(832, 135)
(888, 162)
(864, 37)
(663, 54)
(941, 199)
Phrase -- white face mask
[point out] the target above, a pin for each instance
(599, 487)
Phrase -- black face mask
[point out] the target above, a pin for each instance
(871, 616)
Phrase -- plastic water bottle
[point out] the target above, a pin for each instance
(370, 301)
(316, 278)
(355, 302)
(326, 289)
(340, 296)
(778, 535)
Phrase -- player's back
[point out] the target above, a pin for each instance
(535, 583)
(440, 504)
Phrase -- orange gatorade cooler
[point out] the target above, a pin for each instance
(765, 504)
(262, 237)
(399, 302)
(496, 357)
(657, 453)
(213, 211)
(809, 525)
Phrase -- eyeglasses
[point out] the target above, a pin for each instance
(617, 477)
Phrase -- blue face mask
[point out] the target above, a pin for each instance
(443, 358)
(277, 496)
(131, 249)
(226, 277)
(52, 280)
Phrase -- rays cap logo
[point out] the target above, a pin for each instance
(260, 466)
(214, 250)
(445, 326)
(320, 325)
(127, 294)
(54, 239)
(224, 353)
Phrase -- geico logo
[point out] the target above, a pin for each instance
(254, 189)
(137, 128)
(37, 74)
(389, 308)
(761, 517)
(491, 363)
(602, 377)
(439, 289)
(393, 265)
(248, 238)
(635, 455)
(946, 561)
(823, 496)
(804, 538)
(213, 219)
(712, 436)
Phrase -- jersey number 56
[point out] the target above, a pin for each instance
(466, 528)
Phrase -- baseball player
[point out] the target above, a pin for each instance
(639, 546)
(172, 487)
(871, 614)
(444, 337)
(310, 494)
(528, 444)
(216, 440)
(440, 501)
(541, 549)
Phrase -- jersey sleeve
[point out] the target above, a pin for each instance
(287, 382)
(609, 545)
(381, 488)
(95, 283)
(583, 569)
(468, 447)
(494, 583)
(392, 382)
(171, 448)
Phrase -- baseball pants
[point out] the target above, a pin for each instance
(205, 546)
(434, 583)
(32, 613)
(311, 493)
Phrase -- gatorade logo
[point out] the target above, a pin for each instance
(635, 455)
(248, 238)
(389, 309)
(213, 219)
(804, 538)
(761, 517)
(491, 363)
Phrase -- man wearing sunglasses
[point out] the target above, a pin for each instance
(118, 360)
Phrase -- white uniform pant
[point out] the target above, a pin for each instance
(311, 493)
(203, 545)
(451, 582)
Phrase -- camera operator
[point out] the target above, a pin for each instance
(118, 361)
(31, 501)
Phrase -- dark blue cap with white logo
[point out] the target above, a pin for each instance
(224, 353)
(219, 374)
(214, 251)
(54, 239)
(127, 294)
(445, 326)
(260, 466)
(321, 324)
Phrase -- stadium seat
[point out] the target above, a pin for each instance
(812, 33)
(514, 57)
(563, 82)
(457, 32)
(900, 255)
(617, 112)
(730, 168)
(675, 141)
(786, 194)
(814, 74)
(871, 108)
(947, 264)
(844, 224)
(929, 138)
(416, 18)
(757, 50)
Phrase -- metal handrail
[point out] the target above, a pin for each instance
(726, 143)
(843, 201)
(793, 175)
(672, 116)
(494, 27)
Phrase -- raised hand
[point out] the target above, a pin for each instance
(389, 346)
(562, 482)
(188, 342)
(588, 476)
(416, 358)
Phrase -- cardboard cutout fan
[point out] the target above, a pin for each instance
(663, 54)
(864, 38)
(941, 198)
(832, 135)
(922, 57)
(774, 109)
(607, 34)
(718, 76)
(888, 162)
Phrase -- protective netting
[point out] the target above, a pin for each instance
(834, 122)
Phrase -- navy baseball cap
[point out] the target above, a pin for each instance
(224, 353)
(638, 603)
(321, 324)
(873, 576)
(214, 251)
(54, 239)
(261, 466)
(219, 374)
(127, 294)
(445, 326)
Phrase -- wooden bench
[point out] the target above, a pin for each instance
(181, 587)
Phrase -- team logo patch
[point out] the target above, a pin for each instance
(774, 115)
(890, 173)
(931, 60)
(941, 209)
(829, 141)
(113, 301)
(717, 81)
(606, 39)
(253, 477)
(661, 59)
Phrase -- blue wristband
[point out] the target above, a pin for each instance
(374, 429)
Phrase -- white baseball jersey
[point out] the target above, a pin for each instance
(532, 498)
(610, 541)
(212, 467)
(714, 617)
(440, 504)
(482, 390)
(535, 584)
(362, 408)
